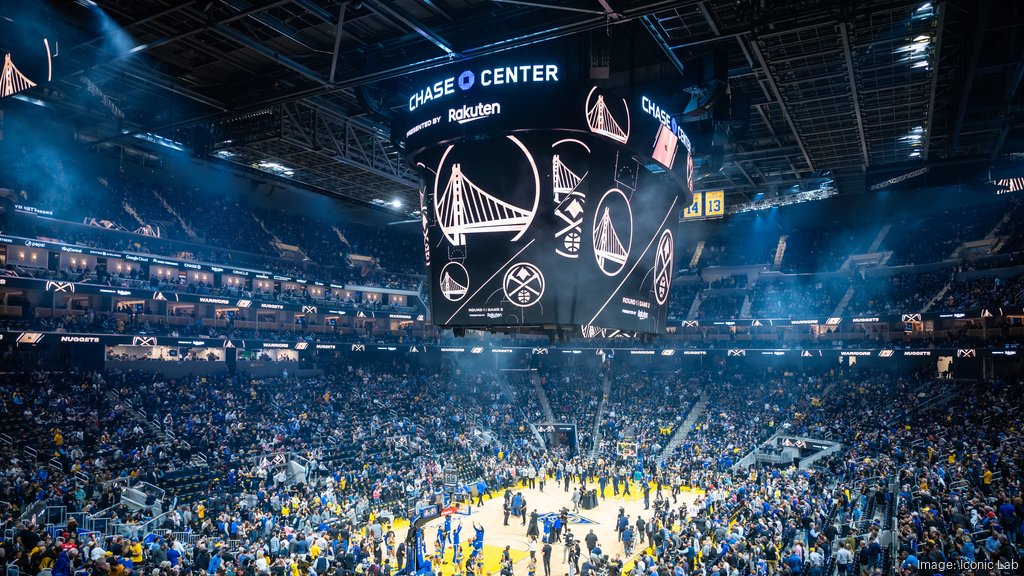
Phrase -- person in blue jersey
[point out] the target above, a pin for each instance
(761, 567)
(478, 538)
(439, 542)
(481, 488)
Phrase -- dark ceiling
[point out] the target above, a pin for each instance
(850, 92)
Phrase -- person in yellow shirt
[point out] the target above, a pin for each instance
(201, 511)
(45, 561)
(314, 550)
(135, 549)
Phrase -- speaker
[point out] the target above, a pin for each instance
(706, 79)
(231, 359)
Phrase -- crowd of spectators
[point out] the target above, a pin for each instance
(899, 293)
(959, 489)
(806, 297)
(216, 229)
(981, 292)
(375, 434)
(825, 249)
(646, 423)
(681, 298)
(720, 304)
(935, 237)
(574, 395)
(737, 250)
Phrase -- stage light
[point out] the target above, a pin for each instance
(30, 100)
(274, 168)
(822, 191)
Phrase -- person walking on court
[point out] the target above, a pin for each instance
(481, 487)
(591, 541)
(622, 524)
(574, 557)
(627, 540)
(545, 554)
(576, 500)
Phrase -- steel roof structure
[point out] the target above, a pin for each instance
(839, 91)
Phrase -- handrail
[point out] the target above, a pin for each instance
(31, 513)
(143, 484)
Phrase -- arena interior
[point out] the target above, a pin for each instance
(511, 288)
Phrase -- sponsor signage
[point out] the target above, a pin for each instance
(123, 340)
(477, 79)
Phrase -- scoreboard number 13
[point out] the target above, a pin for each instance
(714, 203)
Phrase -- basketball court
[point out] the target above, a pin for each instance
(547, 503)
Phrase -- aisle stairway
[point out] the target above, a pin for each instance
(745, 307)
(606, 390)
(780, 252)
(876, 244)
(177, 217)
(684, 429)
(696, 255)
(508, 392)
(843, 302)
(937, 298)
(542, 396)
(695, 306)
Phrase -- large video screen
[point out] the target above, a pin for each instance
(546, 201)
(539, 229)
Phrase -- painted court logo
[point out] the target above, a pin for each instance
(573, 518)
